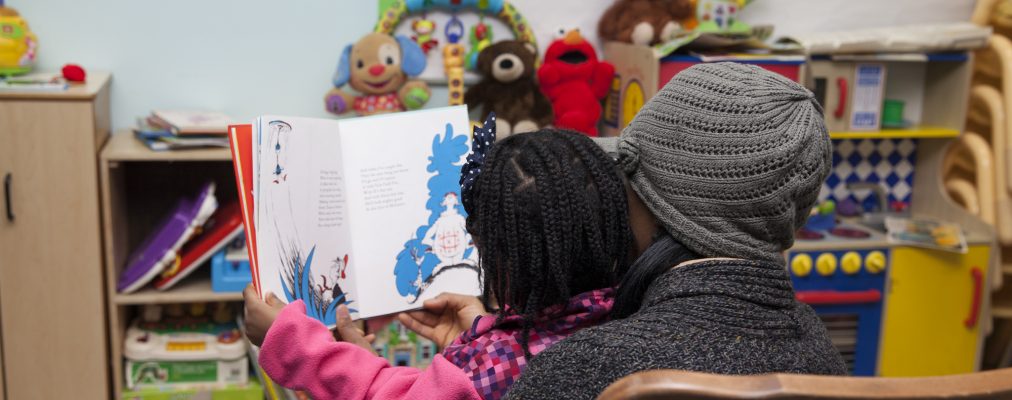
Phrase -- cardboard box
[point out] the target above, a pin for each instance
(639, 74)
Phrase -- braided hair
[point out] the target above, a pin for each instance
(549, 220)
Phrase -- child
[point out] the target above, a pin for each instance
(547, 213)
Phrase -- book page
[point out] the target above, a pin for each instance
(403, 174)
(303, 228)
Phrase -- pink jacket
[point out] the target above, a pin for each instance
(300, 353)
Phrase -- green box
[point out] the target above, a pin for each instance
(249, 391)
(142, 374)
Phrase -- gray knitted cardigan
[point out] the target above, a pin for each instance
(721, 316)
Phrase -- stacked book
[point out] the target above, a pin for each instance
(180, 130)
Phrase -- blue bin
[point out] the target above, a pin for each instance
(229, 276)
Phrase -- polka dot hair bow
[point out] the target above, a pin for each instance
(481, 143)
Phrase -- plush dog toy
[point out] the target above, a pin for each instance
(576, 82)
(646, 22)
(508, 88)
(378, 67)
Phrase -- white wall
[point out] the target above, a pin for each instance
(251, 57)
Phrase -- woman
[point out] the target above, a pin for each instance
(725, 163)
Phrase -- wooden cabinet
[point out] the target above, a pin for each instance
(139, 187)
(52, 310)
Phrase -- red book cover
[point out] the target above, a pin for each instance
(221, 228)
(240, 139)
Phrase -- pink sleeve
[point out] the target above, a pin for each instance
(300, 353)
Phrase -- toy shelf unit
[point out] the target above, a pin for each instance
(139, 189)
(884, 303)
(891, 95)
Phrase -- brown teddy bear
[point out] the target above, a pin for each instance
(379, 66)
(646, 22)
(508, 88)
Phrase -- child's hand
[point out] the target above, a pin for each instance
(444, 318)
(346, 330)
(259, 314)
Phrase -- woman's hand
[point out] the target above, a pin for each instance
(444, 318)
(259, 315)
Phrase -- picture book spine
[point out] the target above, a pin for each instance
(241, 143)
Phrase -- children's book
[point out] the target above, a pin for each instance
(926, 233)
(241, 142)
(363, 211)
(219, 230)
(192, 122)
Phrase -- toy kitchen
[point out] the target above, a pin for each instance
(886, 302)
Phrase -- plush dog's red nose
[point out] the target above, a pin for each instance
(377, 70)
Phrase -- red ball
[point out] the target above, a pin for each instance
(73, 73)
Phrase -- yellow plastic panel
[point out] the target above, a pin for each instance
(929, 298)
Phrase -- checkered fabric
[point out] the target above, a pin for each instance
(889, 162)
(490, 352)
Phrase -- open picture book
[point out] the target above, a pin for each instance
(364, 212)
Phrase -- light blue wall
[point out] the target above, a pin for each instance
(245, 57)
(254, 57)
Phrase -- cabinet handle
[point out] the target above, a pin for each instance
(978, 285)
(841, 105)
(7, 197)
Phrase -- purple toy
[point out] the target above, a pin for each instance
(159, 249)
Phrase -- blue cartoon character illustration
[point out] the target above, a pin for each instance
(442, 244)
(279, 137)
(321, 299)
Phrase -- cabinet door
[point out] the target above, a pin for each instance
(6, 234)
(51, 291)
(932, 313)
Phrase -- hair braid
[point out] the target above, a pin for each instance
(550, 222)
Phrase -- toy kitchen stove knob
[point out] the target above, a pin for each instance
(801, 265)
(875, 262)
(825, 264)
(850, 263)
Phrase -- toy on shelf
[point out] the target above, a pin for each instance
(721, 16)
(73, 73)
(185, 348)
(402, 347)
(646, 22)
(480, 39)
(424, 29)
(379, 66)
(230, 268)
(453, 61)
(162, 245)
(508, 88)
(575, 82)
(455, 56)
(223, 227)
(18, 45)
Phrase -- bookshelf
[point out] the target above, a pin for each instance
(190, 290)
(138, 187)
(912, 133)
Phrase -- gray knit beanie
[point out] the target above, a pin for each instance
(729, 158)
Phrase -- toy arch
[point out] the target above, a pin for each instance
(395, 12)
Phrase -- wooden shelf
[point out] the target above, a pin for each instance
(94, 84)
(123, 146)
(913, 133)
(191, 289)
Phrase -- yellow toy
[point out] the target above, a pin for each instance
(18, 45)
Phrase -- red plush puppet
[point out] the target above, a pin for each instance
(575, 82)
